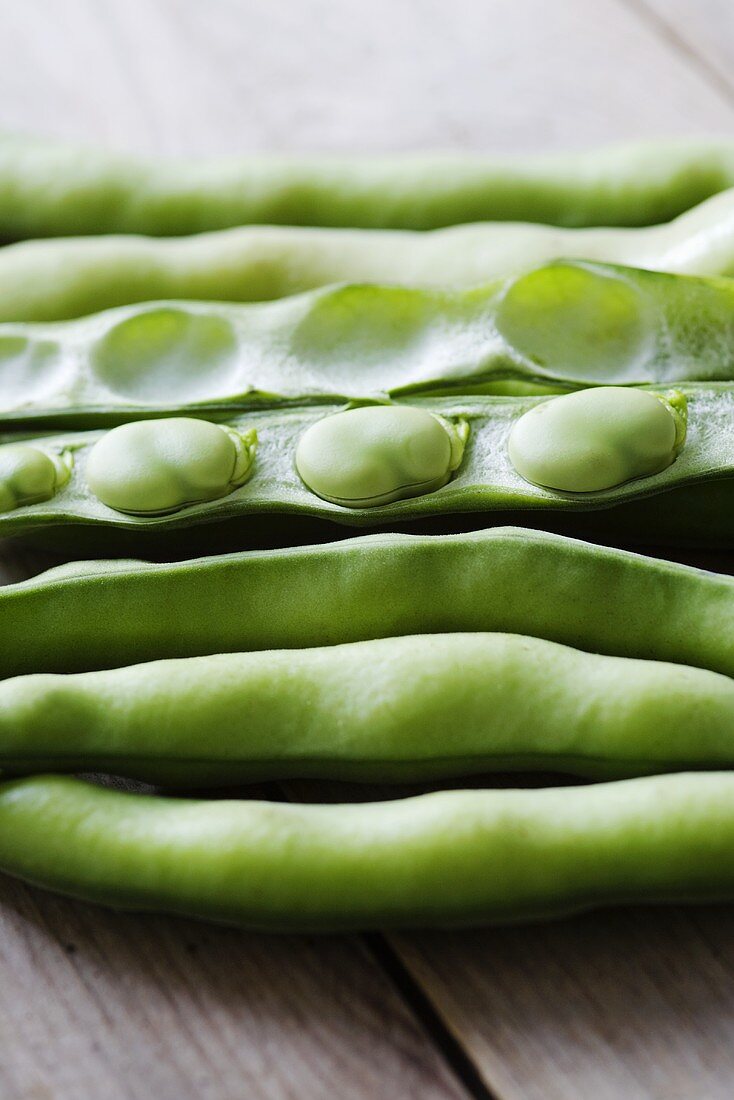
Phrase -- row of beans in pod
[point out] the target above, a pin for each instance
(574, 389)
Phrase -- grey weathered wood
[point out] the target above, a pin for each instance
(180, 76)
(702, 31)
(635, 1003)
(96, 1004)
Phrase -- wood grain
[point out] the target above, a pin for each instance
(635, 1003)
(701, 32)
(180, 76)
(95, 1004)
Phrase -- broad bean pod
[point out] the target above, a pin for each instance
(449, 858)
(54, 280)
(486, 480)
(105, 614)
(395, 709)
(562, 326)
(49, 189)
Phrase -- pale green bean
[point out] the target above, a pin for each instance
(154, 467)
(363, 458)
(599, 438)
(30, 474)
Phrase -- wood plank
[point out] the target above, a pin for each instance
(96, 1004)
(701, 30)
(179, 76)
(635, 1003)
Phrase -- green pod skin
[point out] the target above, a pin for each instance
(451, 858)
(156, 467)
(53, 190)
(97, 615)
(560, 327)
(55, 280)
(420, 707)
(486, 480)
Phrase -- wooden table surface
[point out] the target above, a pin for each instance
(633, 1003)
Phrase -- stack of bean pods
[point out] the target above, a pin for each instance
(257, 354)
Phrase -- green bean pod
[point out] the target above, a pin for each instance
(450, 858)
(485, 480)
(50, 189)
(54, 280)
(559, 327)
(97, 615)
(395, 709)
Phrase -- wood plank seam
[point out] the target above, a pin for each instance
(418, 1000)
(669, 34)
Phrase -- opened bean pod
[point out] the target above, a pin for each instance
(379, 463)
(560, 327)
(53, 280)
